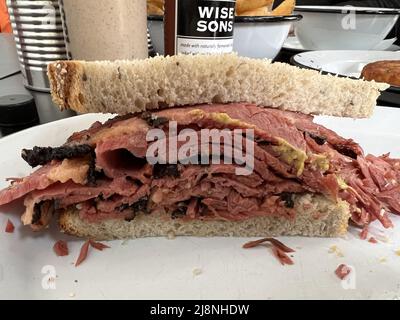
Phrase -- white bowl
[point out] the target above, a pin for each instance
(255, 37)
(344, 28)
(261, 37)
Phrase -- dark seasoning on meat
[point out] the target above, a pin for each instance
(287, 198)
(180, 211)
(37, 214)
(39, 156)
(138, 207)
(319, 140)
(165, 170)
(154, 120)
(93, 174)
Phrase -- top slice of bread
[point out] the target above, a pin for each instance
(138, 85)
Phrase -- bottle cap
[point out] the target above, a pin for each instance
(17, 110)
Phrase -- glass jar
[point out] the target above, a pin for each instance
(105, 29)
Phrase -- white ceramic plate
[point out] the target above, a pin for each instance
(163, 269)
(342, 62)
(292, 43)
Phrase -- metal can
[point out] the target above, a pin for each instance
(39, 38)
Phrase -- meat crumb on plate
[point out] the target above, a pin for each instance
(342, 271)
(282, 256)
(197, 271)
(61, 248)
(334, 249)
(274, 242)
(85, 249)
(9, 227)
(98, 245)
(279, 249)
(83, 253)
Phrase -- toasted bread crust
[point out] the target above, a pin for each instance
(65, 83)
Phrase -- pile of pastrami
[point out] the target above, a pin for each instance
(103, 173)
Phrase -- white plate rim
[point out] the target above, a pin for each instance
(287, 46)
(294, 61)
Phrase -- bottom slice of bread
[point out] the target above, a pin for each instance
(316, 216)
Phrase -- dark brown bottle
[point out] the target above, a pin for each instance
(199, 26)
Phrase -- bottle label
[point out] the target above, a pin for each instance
(204, 26)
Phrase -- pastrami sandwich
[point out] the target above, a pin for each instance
(294, 177)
